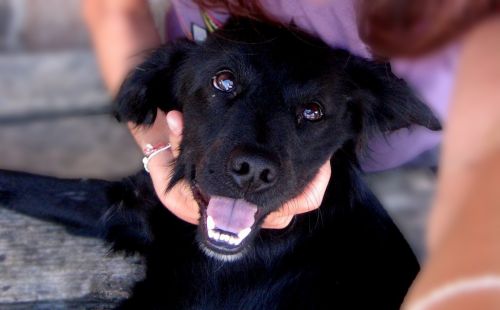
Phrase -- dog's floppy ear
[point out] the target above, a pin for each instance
(151, 85)
(382, 102)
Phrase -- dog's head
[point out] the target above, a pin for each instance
(264, 108)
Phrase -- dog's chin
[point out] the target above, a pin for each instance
(224, 257)
(227, 226)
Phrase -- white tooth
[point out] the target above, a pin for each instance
(211, 233)
(224, 238)
(238, 241)
(210, 223)
(244, 233)
(217, 235)
(232, 240)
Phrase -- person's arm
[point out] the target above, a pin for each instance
(464, 228)
(120, 30)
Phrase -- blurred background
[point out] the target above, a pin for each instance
(53, 108)
(54, 120)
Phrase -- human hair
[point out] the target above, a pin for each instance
(393, 27)
(410, 27)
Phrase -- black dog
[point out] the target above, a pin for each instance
(264, 108)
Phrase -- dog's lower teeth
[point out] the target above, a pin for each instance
(218, 236)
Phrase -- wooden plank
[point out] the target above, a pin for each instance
(41, 264)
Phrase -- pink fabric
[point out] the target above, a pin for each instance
(334, 22)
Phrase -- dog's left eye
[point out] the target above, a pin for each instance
(224, 81)
(312, 111)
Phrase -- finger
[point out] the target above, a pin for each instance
(277, 222)
(175, 124)
(179, 200)
(310, 199)
(312, 196)
(160, 165)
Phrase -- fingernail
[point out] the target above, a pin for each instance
(174, 124)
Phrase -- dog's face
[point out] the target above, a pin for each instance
(264, 108)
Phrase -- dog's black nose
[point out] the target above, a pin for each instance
(252, 172)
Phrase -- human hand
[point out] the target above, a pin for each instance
(309, 200)
(179, 199)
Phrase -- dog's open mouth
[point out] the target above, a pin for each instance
(226, 224)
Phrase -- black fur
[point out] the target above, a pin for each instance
(348, 254)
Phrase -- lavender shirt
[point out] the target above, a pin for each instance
(431, 77)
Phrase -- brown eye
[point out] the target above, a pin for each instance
(311, 111)
(224, 81)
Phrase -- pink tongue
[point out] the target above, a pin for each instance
(231, 215)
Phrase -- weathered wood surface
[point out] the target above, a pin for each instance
(44, 267)
(41, 265)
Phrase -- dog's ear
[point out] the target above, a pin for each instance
(150, 86)
(382, 102)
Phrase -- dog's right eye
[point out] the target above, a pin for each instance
(224, 81)
(312, 112)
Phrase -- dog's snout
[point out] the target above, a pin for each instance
(252, 172)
